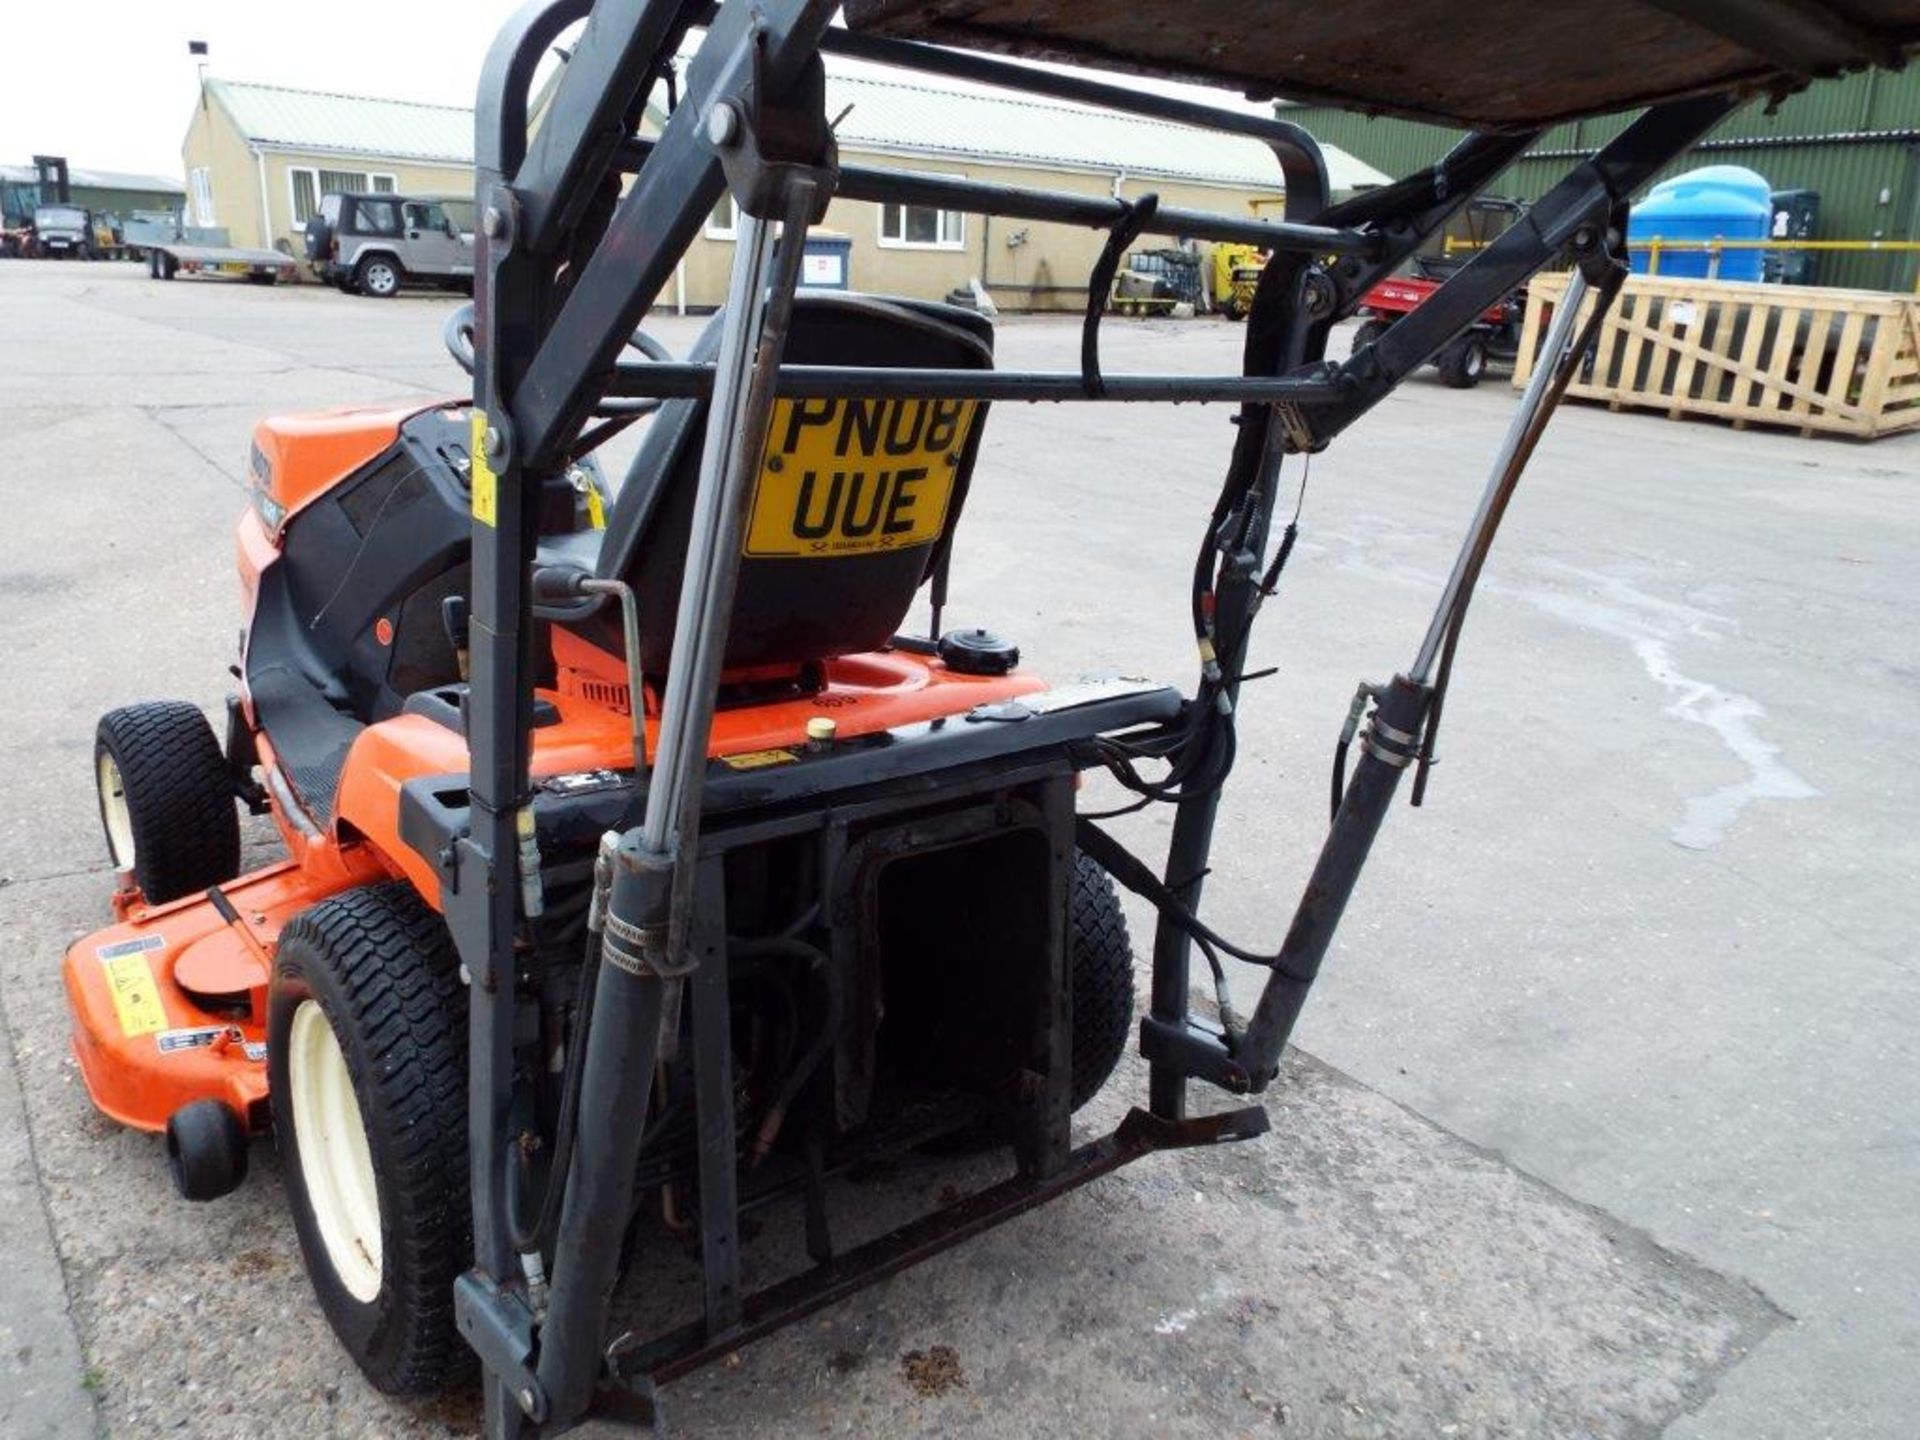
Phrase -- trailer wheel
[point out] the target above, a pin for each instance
(1463, 362)
(1102, 979)
(378, 276)
(1370, 330)
(366, 1047)
(166, 798)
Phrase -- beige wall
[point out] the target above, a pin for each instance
(214, 144)
(236, 170)
(1049, 254)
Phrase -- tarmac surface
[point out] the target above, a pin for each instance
(1604, 1123)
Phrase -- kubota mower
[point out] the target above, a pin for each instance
(642, 868)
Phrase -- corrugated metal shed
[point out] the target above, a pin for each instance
(914, 117)
(100, 180)
(1855, 140)
(349, 124)
(881, 115)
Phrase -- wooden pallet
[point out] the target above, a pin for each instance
(1844, 362)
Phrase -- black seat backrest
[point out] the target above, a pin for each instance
(852, 502)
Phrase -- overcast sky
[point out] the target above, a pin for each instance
(109, 83)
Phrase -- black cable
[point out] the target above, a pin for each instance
(1132, 872)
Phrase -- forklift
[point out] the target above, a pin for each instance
(644, 870)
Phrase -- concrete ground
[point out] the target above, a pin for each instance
(1608, 1125)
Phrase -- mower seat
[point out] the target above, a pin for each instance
(854, 502)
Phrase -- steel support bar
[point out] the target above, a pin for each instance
(881, 185)
(1017, 202)
(1302, 166)
(1585, 198)
(862, 182)
(1521, 430)
(595, 106)
(656, 220)
(1393, 737)
(680, 379)
(1139, 1135)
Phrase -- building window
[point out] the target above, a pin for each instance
(201, 179)
(922, 227)
(304, 183)
(724, 222)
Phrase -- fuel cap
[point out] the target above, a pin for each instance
(977, 652)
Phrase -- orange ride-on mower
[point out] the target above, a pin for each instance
(641, 869)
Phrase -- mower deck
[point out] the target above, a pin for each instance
(169, 1002)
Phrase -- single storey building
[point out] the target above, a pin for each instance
(259, 157)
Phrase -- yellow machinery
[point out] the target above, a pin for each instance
(1235, 272)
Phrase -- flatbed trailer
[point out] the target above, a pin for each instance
(259, 267)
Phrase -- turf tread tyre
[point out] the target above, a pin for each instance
(1463, 362)
(384, 970)
(1102, 979)
(179, 797)
(1370, 331)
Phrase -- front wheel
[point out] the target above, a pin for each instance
(166, 799)
(1463, 362)
(1370, 330)
(366, 1058)
(378, 276)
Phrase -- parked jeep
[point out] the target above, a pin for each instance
(372, 244)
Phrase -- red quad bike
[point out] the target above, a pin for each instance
(644, 866)
(1494, 336)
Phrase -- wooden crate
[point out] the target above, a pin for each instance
(1845, 362)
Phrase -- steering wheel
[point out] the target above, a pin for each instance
(457, 334)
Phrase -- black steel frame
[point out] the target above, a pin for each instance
(567, 267)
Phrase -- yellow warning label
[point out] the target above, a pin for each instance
(136, 999)
(758, 759)
(596, 508)
(486, 486)
(851, 477)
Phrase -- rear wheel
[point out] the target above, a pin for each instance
(166, 798)
(366, 1050)
(1369, 331)
(378, 276)
(1102, 980)
(1463, 362)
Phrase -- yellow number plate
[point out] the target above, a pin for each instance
(853, 477)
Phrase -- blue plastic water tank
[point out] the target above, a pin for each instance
(1725, 202)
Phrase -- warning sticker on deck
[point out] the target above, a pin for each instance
(136, 999)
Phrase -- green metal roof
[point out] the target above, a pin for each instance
(922, 118)
(351, 124)
(881, 115)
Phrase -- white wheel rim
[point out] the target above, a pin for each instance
(379, 279)
(1476, 360)
(336, 1166)
(115, 811)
